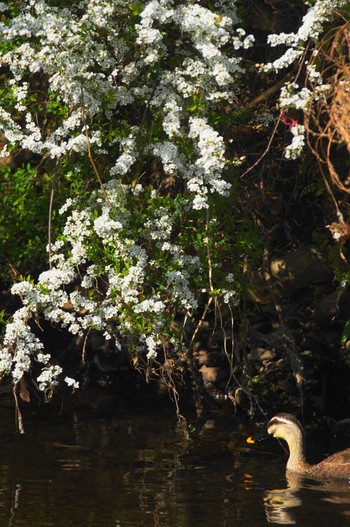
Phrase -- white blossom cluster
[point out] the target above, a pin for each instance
(296, 97)
(313, 23)
(292, 94)
(294, 149)
(183, 60)
(205, 174)
(128, 308)
(77, 67)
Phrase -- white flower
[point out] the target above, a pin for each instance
(49, 377)
(137, 189)
(105, 227)
(44, 358)
(294, 150)
(151, 343)
(292, 96)
(150, 305)
(230, 297)
(72, 383)
(126, 159)
(5, 362)
(312, 25)
(209, 165)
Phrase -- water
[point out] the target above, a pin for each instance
(103, 465)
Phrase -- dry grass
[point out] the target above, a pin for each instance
(327, 121)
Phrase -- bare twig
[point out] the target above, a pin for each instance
(266, 149)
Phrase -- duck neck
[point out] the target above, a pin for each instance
(296, 461)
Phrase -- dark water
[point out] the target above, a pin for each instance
(136, 468)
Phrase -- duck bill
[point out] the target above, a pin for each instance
(257, 438)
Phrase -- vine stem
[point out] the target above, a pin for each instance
(93, 164)
(210, 266)
(266, 149)
(49, 227)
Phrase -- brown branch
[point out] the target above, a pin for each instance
(269, 92)
(19, 420)
(83, 353)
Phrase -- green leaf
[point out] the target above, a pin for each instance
(346, 333)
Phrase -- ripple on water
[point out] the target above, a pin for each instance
(139, 469)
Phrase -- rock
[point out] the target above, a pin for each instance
(327, 309)
(262, 354)
(296, 270)
(202, 357)
(213, 374)
(330, 307)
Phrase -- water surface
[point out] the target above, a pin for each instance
(131, 467)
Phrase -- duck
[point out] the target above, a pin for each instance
(286, 426)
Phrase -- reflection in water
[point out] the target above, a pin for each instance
(15, 503)
(281, 505)
(278, 505)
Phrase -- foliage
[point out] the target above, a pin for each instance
(346, 333)
(23, 207)
(137, 97)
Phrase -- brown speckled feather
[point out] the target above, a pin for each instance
(336, 465)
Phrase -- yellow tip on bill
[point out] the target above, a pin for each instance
(250, 440)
